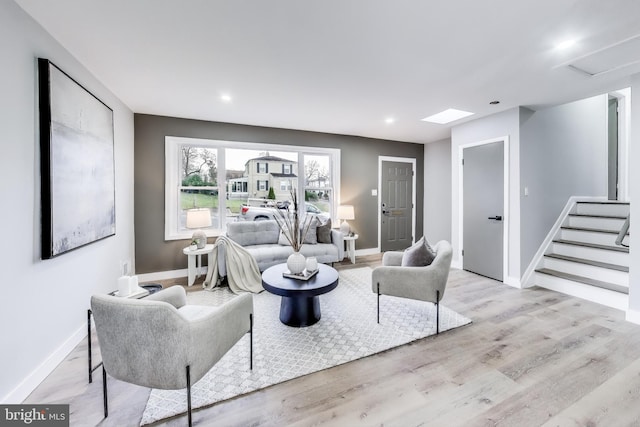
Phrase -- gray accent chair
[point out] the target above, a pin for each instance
(161, 342)
(418, 283)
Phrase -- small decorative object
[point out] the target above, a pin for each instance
(296, 263)
(305, 275)
(194, 245)
(294, 229)
(312, 264)
(124, 286)
(199, 218)
(345, 212)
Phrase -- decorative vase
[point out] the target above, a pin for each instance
(312, 264)
(296, 263)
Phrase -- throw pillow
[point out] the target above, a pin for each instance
(324, 232)
(282, 240)
(311, 238)
(418, 255)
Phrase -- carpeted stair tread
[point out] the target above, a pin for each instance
(592, 245)
(589, 262)
(584, 280)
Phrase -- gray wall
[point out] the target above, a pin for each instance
(359, 175)
(504, 124)
(563, 153)
(44, 303)
(437, 191)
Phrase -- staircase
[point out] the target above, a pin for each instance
(583, 260)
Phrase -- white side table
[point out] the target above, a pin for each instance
(194, 261)
(351, 247)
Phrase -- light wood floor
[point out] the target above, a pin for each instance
(530, 358)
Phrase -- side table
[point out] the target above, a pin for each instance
(194, 263)
(151, 288)
(351, 247)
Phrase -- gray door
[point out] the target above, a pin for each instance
(483, 205)
(613, 149)
(396, 206)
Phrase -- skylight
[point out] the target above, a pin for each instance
(447, 116)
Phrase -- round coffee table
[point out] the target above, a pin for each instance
(300, 305)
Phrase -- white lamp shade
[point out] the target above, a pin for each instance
(346, 212)
(198, 218)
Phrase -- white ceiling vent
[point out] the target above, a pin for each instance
(613, 57)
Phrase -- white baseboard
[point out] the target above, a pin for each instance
(33, 380)
(164, 275)
(456, 264)
(368, 251)
(513, 281)
(633, 316)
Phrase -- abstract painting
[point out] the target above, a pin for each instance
(76, 163)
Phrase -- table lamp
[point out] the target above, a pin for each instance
(199, 218)
(345, 212)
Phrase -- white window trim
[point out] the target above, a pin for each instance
(171, 176)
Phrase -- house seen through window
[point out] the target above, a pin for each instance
(223, 175)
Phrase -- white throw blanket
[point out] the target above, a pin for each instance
(243, 273)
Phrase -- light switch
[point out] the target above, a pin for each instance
(526, 191)
(374, 192)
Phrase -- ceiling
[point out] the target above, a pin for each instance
(341, 66)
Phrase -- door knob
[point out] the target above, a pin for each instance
(497, 217)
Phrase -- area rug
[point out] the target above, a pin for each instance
(347, 331)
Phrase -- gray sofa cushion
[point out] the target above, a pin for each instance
(311, 238)
(247, 233)
(323, 232)
(418, 255)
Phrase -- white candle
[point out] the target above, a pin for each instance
(124, 287)
(133, 283)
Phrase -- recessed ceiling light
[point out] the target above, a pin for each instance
(389, 120)
(225, 98)
(447, 116)
(565, 44)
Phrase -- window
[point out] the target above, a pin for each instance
(318, 186)
(223, 175)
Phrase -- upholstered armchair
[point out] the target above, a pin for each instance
(419, 283)
(161, 342)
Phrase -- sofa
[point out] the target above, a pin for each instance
(262, 240)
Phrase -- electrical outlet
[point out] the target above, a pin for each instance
(124, 267)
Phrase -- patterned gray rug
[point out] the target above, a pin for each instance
(346, 332)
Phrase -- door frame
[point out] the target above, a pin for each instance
(624, 120)
(506, 199)
(412, 161)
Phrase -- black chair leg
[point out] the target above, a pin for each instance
(437, 312)
(189, 394)
(378, 302)
(251, 341)
(104, 392)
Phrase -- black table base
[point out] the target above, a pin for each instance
(300, 311)
(300, 304)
